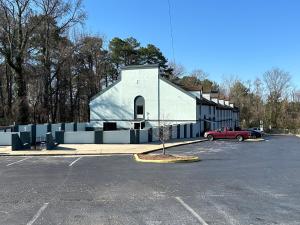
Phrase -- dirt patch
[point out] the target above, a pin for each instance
(166, 157)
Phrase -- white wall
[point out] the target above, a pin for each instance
(196, 93)
(117, 103)
(175, 104)
(79, 137)
(206, 96)
(116, 137)
(5, 138)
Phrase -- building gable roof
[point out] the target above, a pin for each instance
(177, 87)
(132, 67)
(105, 90)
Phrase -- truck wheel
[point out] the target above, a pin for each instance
(210, 137)
(239, 138)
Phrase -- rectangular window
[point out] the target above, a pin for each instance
(137, 126)
(109, 126)
(140, 110)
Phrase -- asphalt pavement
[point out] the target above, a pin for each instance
(235, 183)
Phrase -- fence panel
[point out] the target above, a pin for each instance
(25, 128)
(55, 127)
(79, 137)
(69, 127)
(196, 129)
(174, 132)
(81, 126)
(188, 131)
(5, 138)
(181, 130)
(143, 136)
(116, 137)
(41, 131)
(155, 134)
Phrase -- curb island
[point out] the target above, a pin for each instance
(171, 159)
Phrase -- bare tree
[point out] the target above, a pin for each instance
(19, 20)
(297, 96)
(15, 31)
(164, 135)
(57, 18)
(199, 74)
(178, 70)
(277, 84)
(228, 82)
(164, 131)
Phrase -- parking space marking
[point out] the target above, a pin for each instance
(229, 219)
(37, 215)
(188, 208)
(18, 161)
(76, 160)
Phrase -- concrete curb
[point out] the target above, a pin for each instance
(74, 154)
(181, 144)
(255, 140)
(192, 159)
(281, 134)
(95, 154)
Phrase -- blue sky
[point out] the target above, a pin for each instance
(223, 37)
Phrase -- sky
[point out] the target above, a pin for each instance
(224, 38)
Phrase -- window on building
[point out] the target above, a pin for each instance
(140, 110)
(109, 126)
(137, 126)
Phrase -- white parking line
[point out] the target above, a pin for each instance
(188, 208)
(37, 215)
(18, 161)
(76, 160)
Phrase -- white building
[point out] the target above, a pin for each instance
(143, 98)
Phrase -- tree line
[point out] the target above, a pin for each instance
(271, 99)
(48, 74)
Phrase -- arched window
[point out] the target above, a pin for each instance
(139, 108)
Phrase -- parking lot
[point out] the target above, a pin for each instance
(235, 183)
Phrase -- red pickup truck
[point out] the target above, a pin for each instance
(226, 133)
